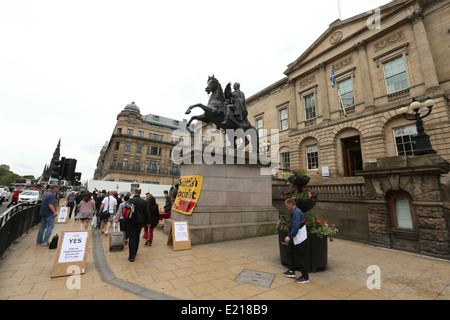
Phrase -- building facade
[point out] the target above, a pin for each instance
(380, 60)
(140, 149)
(340, 113)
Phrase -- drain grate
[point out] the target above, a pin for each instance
(257, 278)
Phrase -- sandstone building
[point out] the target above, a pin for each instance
(377, 70)
(140, 149)
(381, 61)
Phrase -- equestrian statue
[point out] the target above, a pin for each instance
(227, 110)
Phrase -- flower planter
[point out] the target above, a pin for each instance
(305, 205)
(299, 181)
(316, 251)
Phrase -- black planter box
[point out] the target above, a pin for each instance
(316, 251)
(305, 205)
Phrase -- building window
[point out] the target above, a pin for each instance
(312, 157)
(125, 164)
(285, 162)
(259, 127)
(346, 92)
(141, 134)
(114, 163)
(153, 167)
(310, 106)
(400, 210)
(130, 132)
(138, 148)
(154, 151)
(117, 145)
(404, 140)
(283, 119)
(127, 146)
(395, 74)
(119, 130)
(137, 165)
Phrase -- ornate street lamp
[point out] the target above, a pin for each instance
(422, 140)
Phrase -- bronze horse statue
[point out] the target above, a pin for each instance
(215, 112)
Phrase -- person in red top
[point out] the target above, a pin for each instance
(14, 199)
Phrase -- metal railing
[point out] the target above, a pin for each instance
(16, 221)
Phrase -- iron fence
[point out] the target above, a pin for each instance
(16, 221)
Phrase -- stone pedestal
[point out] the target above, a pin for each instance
(418, 178)
(235, 203)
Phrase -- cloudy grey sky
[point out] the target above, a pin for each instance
(67, 68)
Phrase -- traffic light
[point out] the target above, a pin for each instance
(69, 169)
(57, 168)
(76, 177)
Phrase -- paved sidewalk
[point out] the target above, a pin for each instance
(209, 272)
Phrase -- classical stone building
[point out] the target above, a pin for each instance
(140, 149)
(377, 70)
(379, 62)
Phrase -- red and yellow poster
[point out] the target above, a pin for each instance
(188, 193)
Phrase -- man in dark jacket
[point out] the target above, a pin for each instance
(141, 217)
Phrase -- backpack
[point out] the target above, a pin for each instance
(128, 210)
(54, 242)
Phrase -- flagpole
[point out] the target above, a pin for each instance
(339, 8)
(341, 103)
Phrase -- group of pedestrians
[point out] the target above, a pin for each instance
(146, 215)
(102, 210)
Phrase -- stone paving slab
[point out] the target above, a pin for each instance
(209, 272)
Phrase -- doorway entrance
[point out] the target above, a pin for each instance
(351, 153)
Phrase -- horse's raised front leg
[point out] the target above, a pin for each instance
(188, 124)
(199, 105)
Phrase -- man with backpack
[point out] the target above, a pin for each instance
(139, 218)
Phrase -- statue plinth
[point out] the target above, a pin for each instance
(235, 201)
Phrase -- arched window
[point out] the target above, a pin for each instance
(401, 210)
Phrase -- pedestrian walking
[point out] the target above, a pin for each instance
(48, 215)
(14, 199)
(108, 209)
(71, 202)
(3, 193)
(98, 204)
(153, 209)
(296, 252)
(120, 219)
(134, 226)
(86, 211)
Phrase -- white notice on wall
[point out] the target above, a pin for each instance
(62, 214)
(181, 231)
(73, 246)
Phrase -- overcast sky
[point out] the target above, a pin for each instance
(67, 68)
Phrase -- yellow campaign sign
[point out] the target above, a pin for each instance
(188, 193)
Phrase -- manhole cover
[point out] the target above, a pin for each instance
(257, 278)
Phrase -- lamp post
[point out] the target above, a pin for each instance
(422, 140)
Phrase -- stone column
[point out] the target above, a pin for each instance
(292, 106)
(323, 91)
(423, 47)
(366, 82)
